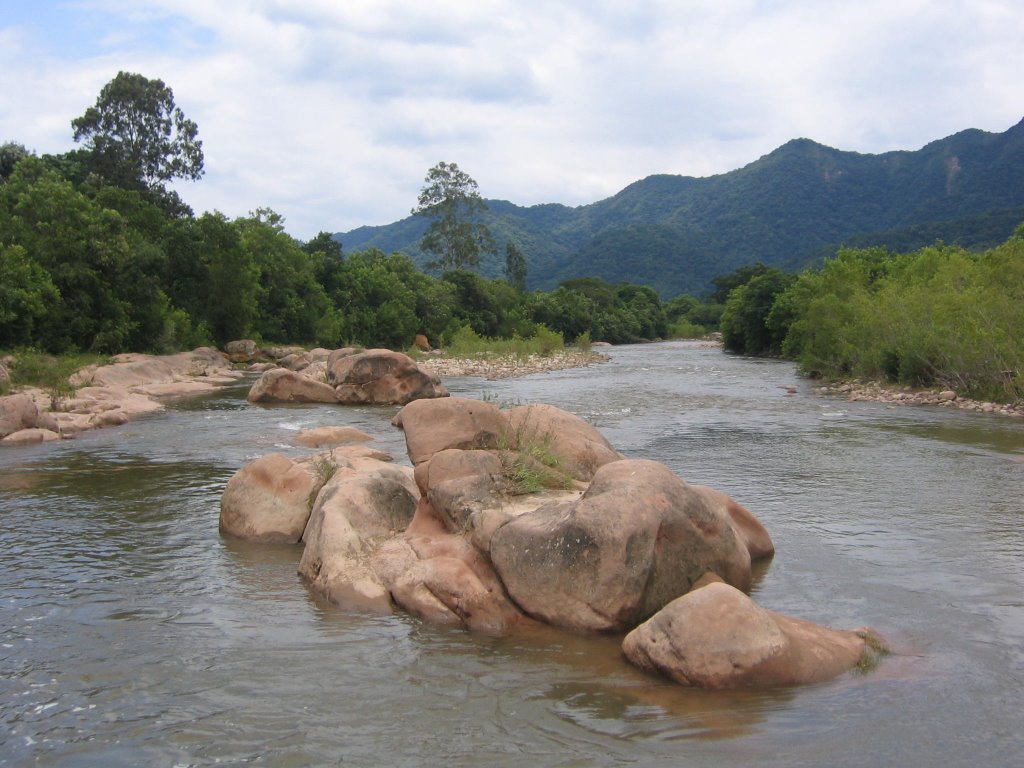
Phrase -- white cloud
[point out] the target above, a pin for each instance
(331, 113)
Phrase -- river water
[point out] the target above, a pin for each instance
(133, 634)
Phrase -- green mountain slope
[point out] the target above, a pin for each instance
(787, 209)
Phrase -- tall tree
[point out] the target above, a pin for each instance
(137, 138)
(515, 267)
(456, 235)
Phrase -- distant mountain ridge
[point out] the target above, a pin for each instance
(787, 209)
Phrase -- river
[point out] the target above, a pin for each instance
(133, 634)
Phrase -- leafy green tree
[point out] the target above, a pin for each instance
(739, 276)
(137, 138)
(290, 302)
(456, 236)
(26, 294)
(228, 308)
(10, 154)
(745, 323)
(515, 267)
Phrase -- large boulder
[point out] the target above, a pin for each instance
(717, 637)
(242, 350)
(431, 426)
(638, 538)
(280, 385)
(575, 446)
(355, 512)
(19, 411)
(269, 499)
(381, 377)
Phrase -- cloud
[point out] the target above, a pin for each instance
(331, 113)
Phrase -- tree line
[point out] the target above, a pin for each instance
(98, 254)
(940, 316)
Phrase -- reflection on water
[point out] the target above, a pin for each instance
(133, 634)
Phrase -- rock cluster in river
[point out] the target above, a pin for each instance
(112, 394)
(509, 517)
(346, 376)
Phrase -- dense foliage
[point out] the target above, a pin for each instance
(96, 255)
(789, 209)
(107, 269)
(938, 316)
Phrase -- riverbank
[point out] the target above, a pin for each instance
(510, 366)
(873, 391)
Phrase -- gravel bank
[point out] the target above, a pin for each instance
(506, 367)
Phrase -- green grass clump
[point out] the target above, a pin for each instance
(30, 368)
(529, 463)
(467, 343)
(684, 329)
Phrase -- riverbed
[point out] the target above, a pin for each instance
(133, 634)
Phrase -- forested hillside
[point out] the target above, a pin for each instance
(790, 208)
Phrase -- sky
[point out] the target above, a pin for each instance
(331, 112)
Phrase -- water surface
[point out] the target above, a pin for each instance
(133, 634)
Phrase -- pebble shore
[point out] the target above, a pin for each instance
(874, 391)
(507, 367)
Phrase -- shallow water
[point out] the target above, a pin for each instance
(133, 634)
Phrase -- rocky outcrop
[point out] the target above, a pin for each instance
(381, 377)
(717, 637)
(279, 385)
(513, 517)
(20, 412)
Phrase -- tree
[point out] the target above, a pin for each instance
(455, 236)
(745, 322)
(515, 267)
(10, 154)
(137, 138)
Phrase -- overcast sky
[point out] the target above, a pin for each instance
(332, 111)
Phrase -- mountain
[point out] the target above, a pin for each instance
(787, 209)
